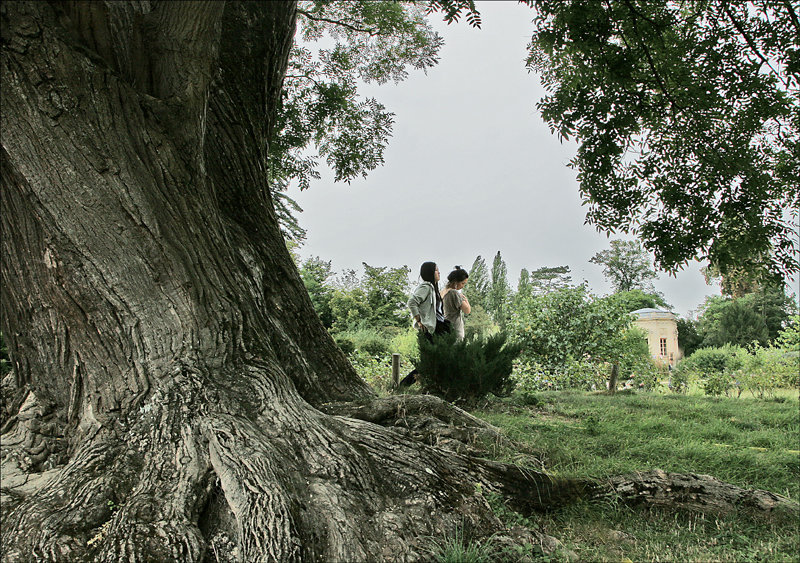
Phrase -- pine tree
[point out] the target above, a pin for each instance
(499, 292)
(477, 289)
(524, 288)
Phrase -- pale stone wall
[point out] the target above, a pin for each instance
(660, 325)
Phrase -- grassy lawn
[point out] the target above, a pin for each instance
(749, 442)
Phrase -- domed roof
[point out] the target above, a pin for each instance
(650, 313)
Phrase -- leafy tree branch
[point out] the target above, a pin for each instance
(313, 17)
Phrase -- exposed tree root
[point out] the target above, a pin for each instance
(425, 418)
(698, 493)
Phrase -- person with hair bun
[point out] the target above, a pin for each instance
(455, 303)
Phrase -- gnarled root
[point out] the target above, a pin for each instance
(698, 493)
(427, 419)
(127, 492)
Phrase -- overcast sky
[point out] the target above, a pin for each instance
(471, 169)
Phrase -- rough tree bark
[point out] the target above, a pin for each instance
(173, 359)
(176, 396)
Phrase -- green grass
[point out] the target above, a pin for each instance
(614, 533)
(748, 442)
(458, 549)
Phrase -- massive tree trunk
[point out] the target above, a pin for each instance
(173, 359)
(178, 397)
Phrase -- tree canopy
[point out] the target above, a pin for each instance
(637, 299)
(570, 324)
(756, 317)
(477, 290)
(626, 265)
(550, 278)
(349, 302)
(499, 290)
(316, 274)
(687, 116)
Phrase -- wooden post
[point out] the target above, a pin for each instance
(395, 371)
(612, 382)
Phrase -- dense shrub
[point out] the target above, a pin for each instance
(730, 370)
(405, 344)
(646, 375)
(714, 360)
(789, 372)
(390, 340)
(468, 369)
(767, 369)
(679, 380)
(789, 337)
(529, 377)
(345, 344)
(376, 370)
(715, 369)
(717, 383)
(712, 368)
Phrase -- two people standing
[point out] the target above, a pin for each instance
(435, 312)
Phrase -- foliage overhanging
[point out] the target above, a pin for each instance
(687, 116)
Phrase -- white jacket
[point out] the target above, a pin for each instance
(423, 303)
